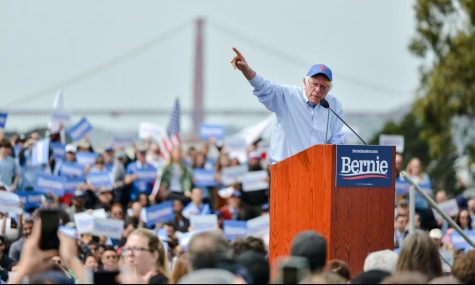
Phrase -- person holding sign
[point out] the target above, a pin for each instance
(301, 120)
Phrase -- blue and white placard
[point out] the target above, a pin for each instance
(364, 166)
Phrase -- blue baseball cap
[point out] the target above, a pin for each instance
(320, 69)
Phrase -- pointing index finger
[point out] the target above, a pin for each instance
(237, 52)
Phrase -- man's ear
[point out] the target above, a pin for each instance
(304, 81)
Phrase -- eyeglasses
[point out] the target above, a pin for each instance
(135, 250)
(114, 257)
(324, 88)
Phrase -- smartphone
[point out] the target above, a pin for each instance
(105, 277)
(49, 229)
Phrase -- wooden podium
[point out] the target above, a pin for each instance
(354, 221)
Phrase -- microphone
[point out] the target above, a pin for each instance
(324, 103)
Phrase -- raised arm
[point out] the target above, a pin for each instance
(240, 63)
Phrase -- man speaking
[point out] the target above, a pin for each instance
(301, 120)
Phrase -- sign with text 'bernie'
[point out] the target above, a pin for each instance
(100, 179)
(211, 131)
(71, 169)
(364, 166)
(59, 150)
(458, 242)
(160, 213)
(3, 120)
(10, 202)
(235, 229)
(204, 177)
(50, 184)
(30, 199)
(78, 131)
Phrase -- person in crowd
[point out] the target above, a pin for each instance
(196, 207)
(110, 259)
(78, 204)
(471, 209)
(145, 258)
(34, 260)
(338, 267)
(180, 222)
(17, 247)
(233, 209)
(400, 230)
(9, 171)
(464, 220)
(209, 250)
(135, 172)
(446, 256)
(105, 199)
(464, 267)
(154, 157)
(385, 260)
(297, 109)
(249, 243)
(415, 170)
(5, 261)
(257, 266)
(90, 263)
(312, 246)
(176, 178)
(419, 253)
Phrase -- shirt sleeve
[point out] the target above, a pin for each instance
(271, 95)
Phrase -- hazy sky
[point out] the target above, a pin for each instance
(46, 42)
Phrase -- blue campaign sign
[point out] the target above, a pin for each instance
(208, 131)
(72, 183)
(459, 243)
(59, 150)
(50, 184)
(235, 229)
(78, 131)
(71, 169)
(100, 179)
(147, 173)
(364, 166)
(204, 177)
(3, 120)
(30, 200)
(160, 213)
(86, 158)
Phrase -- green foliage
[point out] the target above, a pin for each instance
(445, 40)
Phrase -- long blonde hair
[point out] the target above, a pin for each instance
(155, 245)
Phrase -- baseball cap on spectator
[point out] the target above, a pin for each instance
(142, 148)
(317, 69)
(435, 233)
(84, 144)
(313, 247)
(70, 148)
(108, 149)
(79, 194)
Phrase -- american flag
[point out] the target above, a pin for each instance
(173, 138)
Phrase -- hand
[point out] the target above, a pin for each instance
(240, 63)
(33, 259)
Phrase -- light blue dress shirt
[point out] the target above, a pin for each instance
(299, 125)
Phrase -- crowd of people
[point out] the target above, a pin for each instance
(157, 253)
